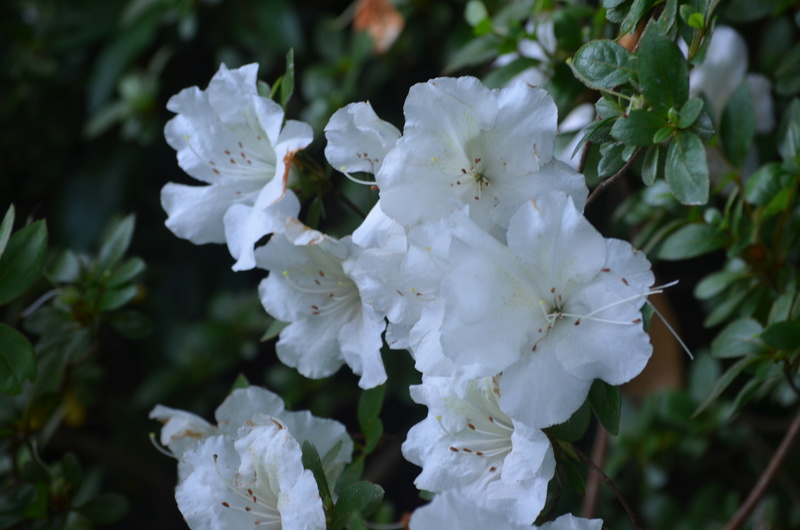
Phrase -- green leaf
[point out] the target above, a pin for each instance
(637, 11)
(607, 108)
(606, 404)
(106, 508)
(637, 128)
(369, 408)
(574, 428)
(115, 298)
(273, 330)
(475, 12)
(725, 381)
(691, 240)
(716, 282)
(690, 112)
(240, 383)
(739, 338)
(686, 169)
(5, 229)
(666, 22)
(362, 498)
(764, 184)
(597, 132)
(65, 267)
(783, 335)
(611, 159)
(287, 83)
(312, 462)
(738, 125)
(17, 360)
(477, 51)
(663, 71)
(23, 260)
(573, 476)
(126, 272)
(663, 134)
(602, 64)
(115, 242)
(650, 164)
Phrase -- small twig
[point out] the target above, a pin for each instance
(350, 204)
(761, 487)
(584, 156)
(610, 180)
(610, 484)
(593, 480)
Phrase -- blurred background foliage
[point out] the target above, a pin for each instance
(83, 92)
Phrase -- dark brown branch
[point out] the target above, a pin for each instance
(761, 487)
(610, 484)
(584, 156)
(610, 180)
(593, 480)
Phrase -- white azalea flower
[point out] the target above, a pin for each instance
(451, 509)
(256, 479)
(234, 140)
(311, 285)
(471, 445)
(182, 429)
(466, 144)
(556, 308)
(358, 140)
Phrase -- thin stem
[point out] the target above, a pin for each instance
(593, 480)
(350, 204)
(761, 487)
(584, 156)
(610, 484)
(610, 180)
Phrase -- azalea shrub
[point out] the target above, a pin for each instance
(554, 271)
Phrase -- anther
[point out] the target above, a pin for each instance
(624, 281)
(453, 449)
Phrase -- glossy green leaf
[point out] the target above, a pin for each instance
(116, 298)
(690, 241)
(606, 404)
(603, 64)
(650, 164)
(764, 184)
(574, 428)
(783, 335)
(106, 508)
(725, 381)
(607, 108)
(115, 242)
(739, 338)
(637, 11)
(611, 159)
(716, 282)
(477, 51)
(287, 83)
(369, 409)
(738, 125)
(690, 112)
(17, 360)
(5, 229)
(312, 462)
(126, 272)
(475, 12)
(663, 134)
(362, 498)
(637, 128)
(686, 169)
(23, 260)
(663, 71)
(273, 330)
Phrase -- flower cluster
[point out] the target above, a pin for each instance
(477, 259)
